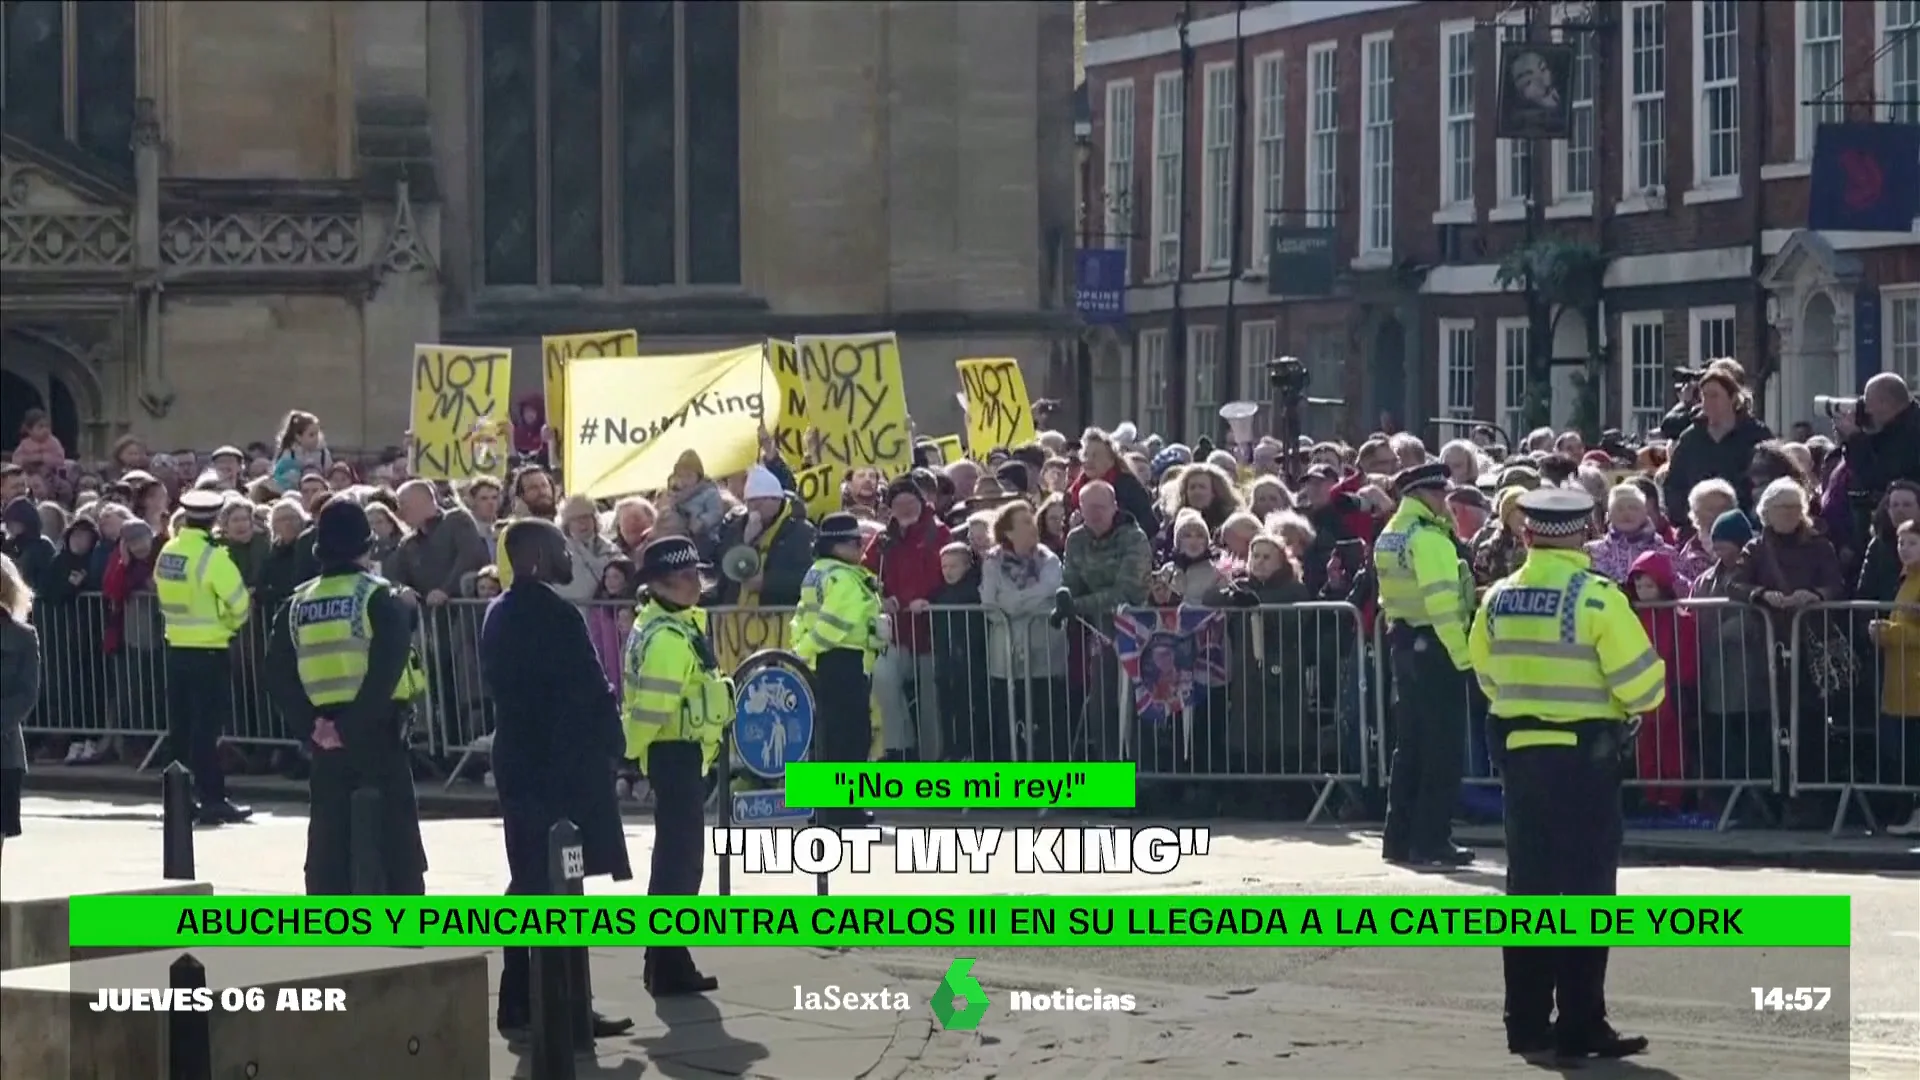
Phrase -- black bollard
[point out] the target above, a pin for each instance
(176, 823)
(364, 849)
(567, 869)
(189, 1036)
(562, 1005)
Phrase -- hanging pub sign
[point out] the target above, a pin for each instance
(1865, 178)
(1299, 261)
(1533, 101)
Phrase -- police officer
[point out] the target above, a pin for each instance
(341, 668)
(1426, 594)
(837, 630)
(1565, 663)
(203, 603)
(677, 705)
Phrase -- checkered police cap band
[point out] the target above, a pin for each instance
(1556, 527)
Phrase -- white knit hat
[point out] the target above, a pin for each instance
(762, 484)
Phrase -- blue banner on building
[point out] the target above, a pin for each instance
(1867, 361)
(1100, 284)
(1866, 178)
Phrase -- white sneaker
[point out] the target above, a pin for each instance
(75, 750)
(1911, 828)
(488, 780)
(482, 744)
(622, 789)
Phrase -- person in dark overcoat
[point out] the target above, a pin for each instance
(557, 739)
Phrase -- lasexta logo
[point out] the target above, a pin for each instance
(960, 1002)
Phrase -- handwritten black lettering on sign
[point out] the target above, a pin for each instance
(852, 400)
(791, 432)
(996, 405)
(738, 633)
(631, 431)
(461, 391)
(556, 351)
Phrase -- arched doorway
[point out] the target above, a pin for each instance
(17, 395)
(1569, 373)
(1387, 376)
(38, 374)
(1818, 359)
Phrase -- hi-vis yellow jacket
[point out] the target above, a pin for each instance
(1422, 582)
(839, 609)
(673, 690)
(202, 598)
(1557, 642)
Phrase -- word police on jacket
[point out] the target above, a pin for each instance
(232, 999)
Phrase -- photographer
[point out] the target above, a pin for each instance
(1880, 438)
(1719, 443)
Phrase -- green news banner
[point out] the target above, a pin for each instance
(961, 922)
(944, 785)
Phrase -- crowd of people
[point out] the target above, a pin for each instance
(1004, 575)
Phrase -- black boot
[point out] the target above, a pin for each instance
(1598, 1042)
(1530, 1043)
(668, 971)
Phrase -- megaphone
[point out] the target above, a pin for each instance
(1239, 417)
(740, 562)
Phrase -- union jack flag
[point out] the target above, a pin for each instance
(1165, 652)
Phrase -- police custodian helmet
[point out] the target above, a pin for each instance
(667, 555)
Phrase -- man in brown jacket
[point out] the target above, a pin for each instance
(442, 545)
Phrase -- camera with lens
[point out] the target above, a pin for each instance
(1289, 378)
(1835, 407)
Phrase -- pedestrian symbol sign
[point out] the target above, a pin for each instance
(772, 721)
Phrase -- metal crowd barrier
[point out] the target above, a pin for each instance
(91, 692)
(1708, 736)
(1278, 695)
(1844, 681)
(1293, 693)
(1740, 700)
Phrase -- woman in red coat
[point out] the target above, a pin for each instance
(1653, 588)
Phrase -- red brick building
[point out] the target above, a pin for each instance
(1687, 170)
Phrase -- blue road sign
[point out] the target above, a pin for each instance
(763, 807)
(772, 721)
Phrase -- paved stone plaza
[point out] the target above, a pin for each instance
(1199, 1013)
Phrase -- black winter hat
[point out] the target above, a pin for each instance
(342, 534)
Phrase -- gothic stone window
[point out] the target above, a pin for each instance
(68, 73)
(609, 142)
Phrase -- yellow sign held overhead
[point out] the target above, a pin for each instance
(783, 357)
(951, 449)
(819, 490)
(632, 420)
(999, 413)
(461, 418)
(857, 401)
(558, 350)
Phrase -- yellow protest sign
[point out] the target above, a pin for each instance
(632, 418)
(999, 413)
(737, 633)
(556, 350)
(461, 424)
(951, 449)
(857, 401)
(819, 490)
(783, 357)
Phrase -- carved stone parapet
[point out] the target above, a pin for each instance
(49, 222)
(261, 240)
(75, 240)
